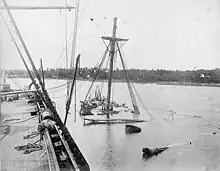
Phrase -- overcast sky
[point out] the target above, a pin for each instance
(163, 34)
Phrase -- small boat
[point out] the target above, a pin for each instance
(147, 152)
(132, 129)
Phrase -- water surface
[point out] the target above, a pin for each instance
(108, 148)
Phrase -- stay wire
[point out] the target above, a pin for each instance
(13, 81)
(11, 78)
(139, 98)
(102, 85)
(103, 58)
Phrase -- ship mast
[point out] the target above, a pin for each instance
(113, 46)
(112, 53)
(69, 88)
(0, 67)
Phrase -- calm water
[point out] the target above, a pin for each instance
(107, 147)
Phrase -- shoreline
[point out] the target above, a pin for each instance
(189, 84)
(144, 82)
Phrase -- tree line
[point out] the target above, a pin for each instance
(135, 75)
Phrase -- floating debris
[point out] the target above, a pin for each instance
(129, 129)
(209, 133)
(147, 152)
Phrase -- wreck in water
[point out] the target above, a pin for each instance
(97, 108)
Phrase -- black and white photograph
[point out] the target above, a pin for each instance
(109, 85)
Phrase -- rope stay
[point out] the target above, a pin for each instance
(134, 102)
(138, 96)
(9, 76)
(25, 64)
(96, 76)
(145, 108)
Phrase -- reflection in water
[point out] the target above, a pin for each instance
(109, 159)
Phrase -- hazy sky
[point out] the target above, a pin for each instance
(169, 34)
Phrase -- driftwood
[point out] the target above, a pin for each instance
(147, 152)
(129, 129)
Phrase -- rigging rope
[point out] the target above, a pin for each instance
(102, 85)
(70, 38)
(103, 58)
(117, 48)
(10, 77)
(62, 53)
(61, 85)
(13, 80)
(66, 48)
(139, 98)
(133, 99)
(81, 16)
(59, 88)
(59, 96)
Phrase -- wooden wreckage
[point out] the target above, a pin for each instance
(62, 151)
(105, 106)
(150, 152)
(130, 129)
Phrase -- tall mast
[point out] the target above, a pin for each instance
(112, 53)
(74, 34)
(74, 51)
(0, 65)
(66, 49)
(25, 64)
(42, 72)
(46, 96)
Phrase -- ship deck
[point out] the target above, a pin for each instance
(16, 123)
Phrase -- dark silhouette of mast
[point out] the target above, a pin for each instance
(113, 40)
(112, 53)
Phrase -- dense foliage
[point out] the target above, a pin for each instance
(136, 75)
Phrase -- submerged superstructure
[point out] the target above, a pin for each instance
(96, 105)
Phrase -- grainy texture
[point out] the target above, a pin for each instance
(10, 158)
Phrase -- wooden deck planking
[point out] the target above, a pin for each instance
(10, 158)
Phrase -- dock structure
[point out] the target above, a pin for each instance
(24, 146)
